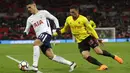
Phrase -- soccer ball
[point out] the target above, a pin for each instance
(23, 65)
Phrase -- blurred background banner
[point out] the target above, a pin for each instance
(112, 18)
(57, 41)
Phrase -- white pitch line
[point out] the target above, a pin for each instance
(13, 59)
(17, 61)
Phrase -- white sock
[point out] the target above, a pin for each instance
(36, 55)
(61, 60)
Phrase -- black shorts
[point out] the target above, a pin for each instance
(86, 44)
(45, 39)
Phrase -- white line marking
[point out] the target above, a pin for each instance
(13, 59)
(17, 61)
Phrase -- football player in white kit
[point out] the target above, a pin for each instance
(41, 26)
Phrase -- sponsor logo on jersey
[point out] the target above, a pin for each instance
(36, 24)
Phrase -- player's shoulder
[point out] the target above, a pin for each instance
(91, 21)
(30, 17)
(43, 11)
(69, 18)
(83, 17)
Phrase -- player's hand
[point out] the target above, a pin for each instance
(100, 41)
(58, 31)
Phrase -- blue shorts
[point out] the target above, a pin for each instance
(45, 39)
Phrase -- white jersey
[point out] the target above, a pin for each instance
(40, 23)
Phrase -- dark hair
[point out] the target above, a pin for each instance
(74, 7)
(29, 2)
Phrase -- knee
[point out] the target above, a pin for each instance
(37, 43)
(99, 53)
(86, 56)
(51, 57)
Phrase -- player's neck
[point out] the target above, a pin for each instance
(36, 11)
(75, 18)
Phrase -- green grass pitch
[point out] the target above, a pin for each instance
(68, 51)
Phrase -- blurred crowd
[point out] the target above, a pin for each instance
(105, 13)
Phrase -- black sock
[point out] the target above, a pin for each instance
(105, 53)
(93, 61)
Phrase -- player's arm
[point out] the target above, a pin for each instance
(90, 29)
(93, 23)
(63, 30)
(27, 29)
(50, 16)
(94, 34)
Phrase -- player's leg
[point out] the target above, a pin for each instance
(94, 61)
(36, 55)
(49, 53)
(86, 56)
(46, 49)
(36, 52)
(103, 52)
(85, 51)
(94, 44)
(108, 54)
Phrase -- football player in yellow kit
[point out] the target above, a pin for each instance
(86, 37)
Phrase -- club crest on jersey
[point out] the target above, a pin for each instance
(37, 23)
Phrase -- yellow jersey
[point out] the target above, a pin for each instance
(80, 28)
(91, 22)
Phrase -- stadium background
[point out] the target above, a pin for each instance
(105, 13)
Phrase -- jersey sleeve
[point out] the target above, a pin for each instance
(28, 25)
(90, 29)
(50, 16)
(64, 29)
(93, 23)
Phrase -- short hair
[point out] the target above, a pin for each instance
(74, 7)
(29, 2)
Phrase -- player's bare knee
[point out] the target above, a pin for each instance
(50, 57)
(37, 42)
(86, 56)
(98, 51)
(49, 54)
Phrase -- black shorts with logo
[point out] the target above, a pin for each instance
(86, 44)
(45, 39)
